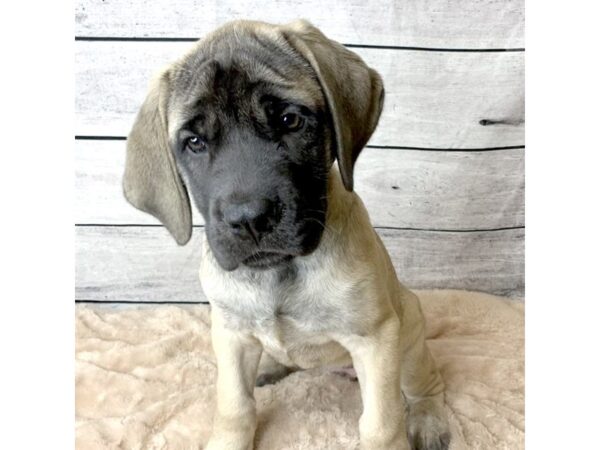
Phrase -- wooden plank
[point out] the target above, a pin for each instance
(442, 190)
(401, 188)
(433, 99)
(135, 264)
(488, 261)
(145, 264)
(99, 199)
(432, 23)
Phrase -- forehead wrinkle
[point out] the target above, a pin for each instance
(260, 62)
(262, 72)
(290, 75)
(259, 53)
(302, 88)
(299, 95)
(194, 73)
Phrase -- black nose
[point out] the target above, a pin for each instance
(255, 218)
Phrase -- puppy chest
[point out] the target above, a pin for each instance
(274, 322)
(293, 318)
(292, 329)
(284, 315)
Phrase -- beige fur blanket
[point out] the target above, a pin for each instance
(145, 380)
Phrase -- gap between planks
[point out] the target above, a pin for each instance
(374, 46)
(430, 230)
(382, 147)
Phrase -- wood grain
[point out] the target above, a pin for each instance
(145, 264)
(401, 188)
(432, 23)
(433, 99)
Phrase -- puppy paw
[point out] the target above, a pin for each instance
(427, 425)
(231, 435)
(215, 444)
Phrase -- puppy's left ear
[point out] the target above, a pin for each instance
(354, 92)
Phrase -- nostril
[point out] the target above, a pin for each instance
(238, 226)
(252, 219)
(263, 223)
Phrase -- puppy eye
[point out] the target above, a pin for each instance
(291, 121)
(195, 144)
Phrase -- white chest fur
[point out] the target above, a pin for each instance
(292, 310)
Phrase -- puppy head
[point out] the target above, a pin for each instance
(250, 122)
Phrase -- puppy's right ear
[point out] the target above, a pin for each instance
(151, 182)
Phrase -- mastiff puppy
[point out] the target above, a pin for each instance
(249, 124)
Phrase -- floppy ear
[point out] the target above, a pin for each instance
(354, 92)
(151, 181)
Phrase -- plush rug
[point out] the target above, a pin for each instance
(145, 380)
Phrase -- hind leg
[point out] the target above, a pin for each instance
(271, 371)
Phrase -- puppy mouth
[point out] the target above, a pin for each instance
(264, 260)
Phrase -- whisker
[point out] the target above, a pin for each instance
(325, 227)
(315, 210)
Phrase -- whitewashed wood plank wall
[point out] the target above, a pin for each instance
(442, 177)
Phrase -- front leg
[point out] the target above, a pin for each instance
(376, 360)
(237, 356)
